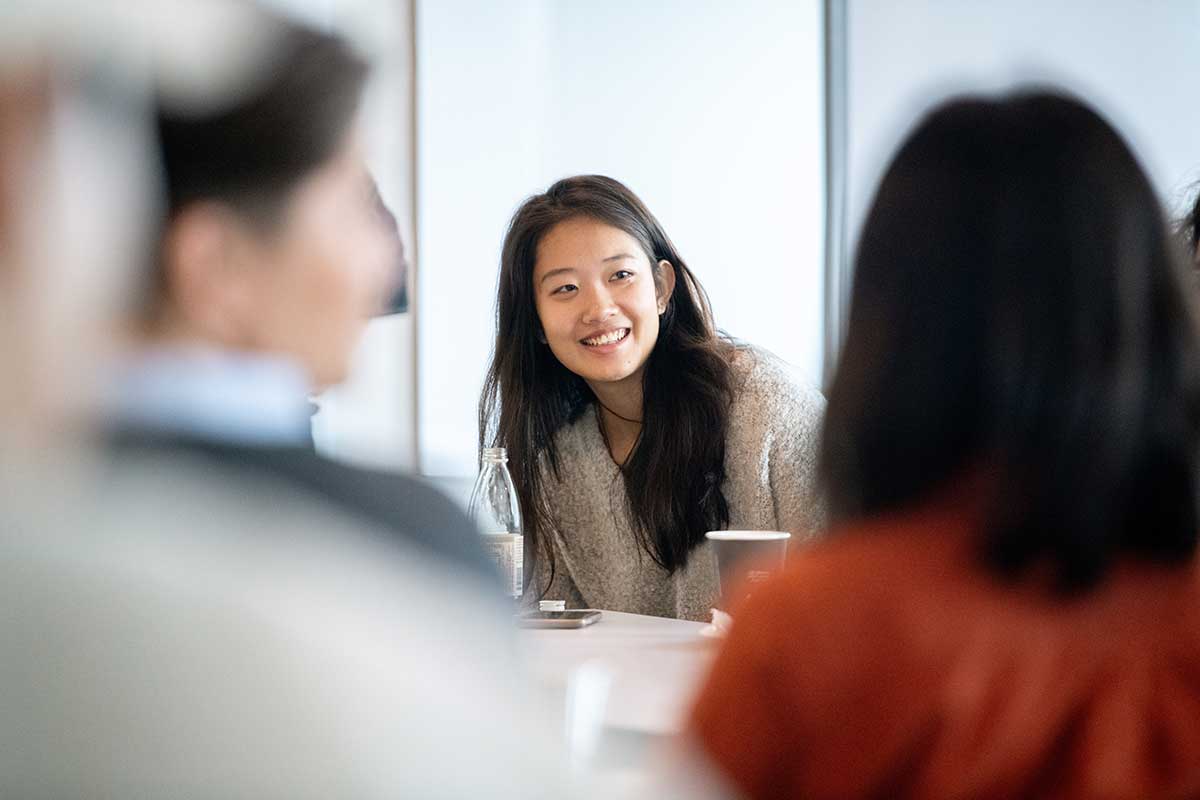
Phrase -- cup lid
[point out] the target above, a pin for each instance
(747, 536)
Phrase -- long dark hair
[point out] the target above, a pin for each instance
(1017, 311)
(674, 475)
(1189, 230)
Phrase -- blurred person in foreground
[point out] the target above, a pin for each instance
(1009, 604)
(174, 630)
(274, 255)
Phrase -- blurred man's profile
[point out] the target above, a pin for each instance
(274, 254)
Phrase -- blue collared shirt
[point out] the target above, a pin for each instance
(223, 395)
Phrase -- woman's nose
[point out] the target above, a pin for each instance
(600, 308)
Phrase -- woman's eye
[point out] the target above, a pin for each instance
(622, 274)
(566, 288)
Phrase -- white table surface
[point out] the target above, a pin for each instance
(656, 665)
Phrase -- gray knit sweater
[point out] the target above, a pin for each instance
(770, 466)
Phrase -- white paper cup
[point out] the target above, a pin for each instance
(746, 559)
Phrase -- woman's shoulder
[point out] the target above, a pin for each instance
(765, 383)
(572, 440)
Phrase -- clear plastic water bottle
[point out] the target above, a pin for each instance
(495, 510)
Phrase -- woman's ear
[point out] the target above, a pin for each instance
(664, 284)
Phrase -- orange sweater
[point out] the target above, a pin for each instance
(887, 662)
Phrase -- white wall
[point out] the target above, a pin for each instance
(710, 111)
(480, 98)
(677, 98)
(1137, 61)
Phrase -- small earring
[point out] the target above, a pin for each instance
(541, 335)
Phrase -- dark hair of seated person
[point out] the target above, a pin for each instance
(1018, 313)
(251, 154)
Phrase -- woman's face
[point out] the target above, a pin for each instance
(597, 300)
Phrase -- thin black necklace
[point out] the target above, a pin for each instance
(615, 414)
(604, 435)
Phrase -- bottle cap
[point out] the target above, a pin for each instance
(495, 454)
(552, 605)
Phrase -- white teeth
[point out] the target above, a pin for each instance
(608, 338)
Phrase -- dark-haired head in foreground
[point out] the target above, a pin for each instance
(1017, 312)
(274, 242)
(275, 253)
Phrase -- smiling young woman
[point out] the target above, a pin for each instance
(633, 427)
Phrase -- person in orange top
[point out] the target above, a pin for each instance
(1009, 603)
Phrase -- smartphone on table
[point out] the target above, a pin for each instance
(574, 618)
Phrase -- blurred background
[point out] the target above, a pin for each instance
(754, 131)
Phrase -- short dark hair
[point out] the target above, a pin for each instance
(252, 153)
(1018, 309)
